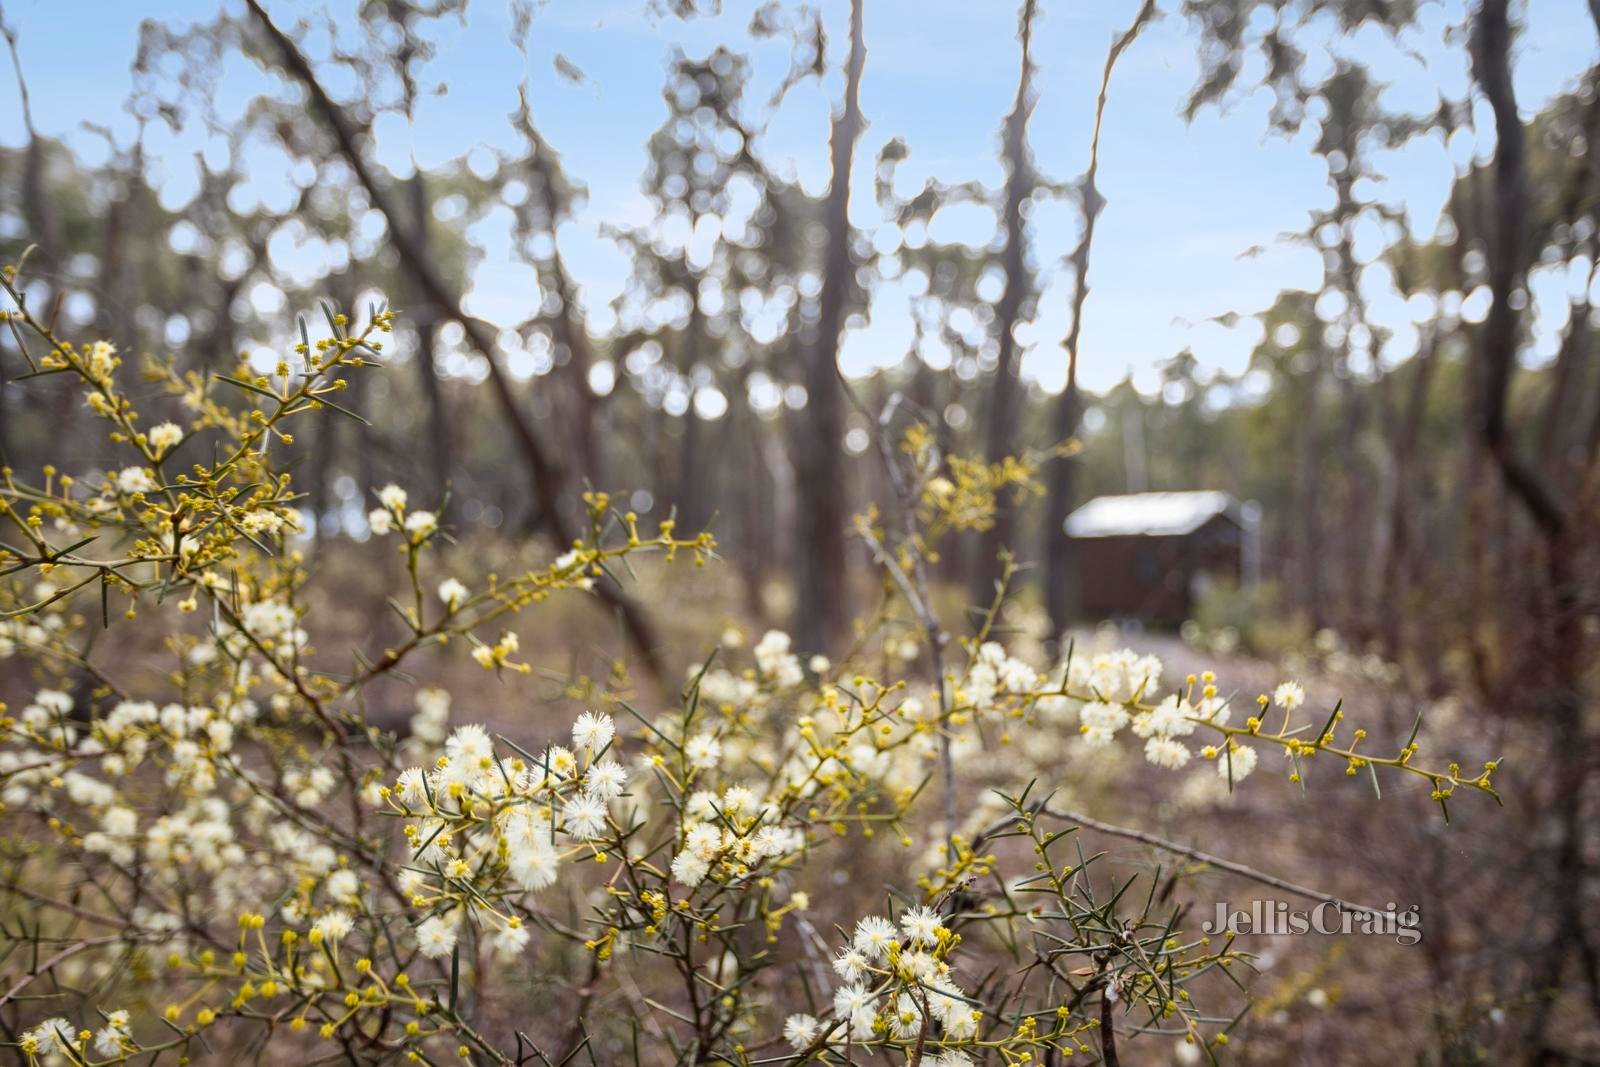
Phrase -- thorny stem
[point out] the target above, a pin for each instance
(1130, 834)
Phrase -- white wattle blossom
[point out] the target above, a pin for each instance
(956, 1015)
(702, 805)
(851, 964)
(1171, 718)
(873, 936)
(469, 745)
(921, 926)
(1243, 761)
(775, 660)
(53, 1035)
(1165, 752)
(800, 1031)
(981, 686)
(592, 731)
(703, 840)
(905, 1021)
(606, 779)
(689, 869)
(334, 925)
(1018, 677)
(392, 496)
(1100, 721)
(736, 800)
(102, 361)
(584, 816)
(163, 436)
(111, 1039)
(453, 593)
(507, 942)
(344, 885)
(264, 522)
(560, 761)
(433, 715)
(436, 937)
(703, 751)
(410, 788)
(854, 1003)
(268, 620)
(135, 480)
(1214, 710)
(1289, 696)
(531, 857)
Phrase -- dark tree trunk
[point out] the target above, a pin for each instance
(1396, 569)
(1003, 399)
(692, 477)
(425, 315)
(567, 321)
(1557, 646)
(822, 603)
(1060, 557)
(1307, 503)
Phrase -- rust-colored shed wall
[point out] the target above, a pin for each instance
(1151, 577)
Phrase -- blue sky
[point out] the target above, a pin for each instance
(1184, 199)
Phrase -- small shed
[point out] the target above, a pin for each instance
(1147, 555)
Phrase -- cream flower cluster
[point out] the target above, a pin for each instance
(898, 989)
(485, 828)
(730, 836)
(995, 678)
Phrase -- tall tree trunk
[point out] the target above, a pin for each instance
(822, 604)
(1060, 592)
(1003, 399)
(691, 486)
(425, 317)
(1556, 436)
(1308, 495)
(572, 334)
(755, 517)
(567, 321)
(1395, 569)
(1557, 650)
(44, 225)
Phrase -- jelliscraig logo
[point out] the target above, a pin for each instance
(1279, 918)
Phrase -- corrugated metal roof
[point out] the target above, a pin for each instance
(1150, 514)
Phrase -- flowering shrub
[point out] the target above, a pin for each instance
(229, 859)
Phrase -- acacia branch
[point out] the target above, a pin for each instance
(1130, 834)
